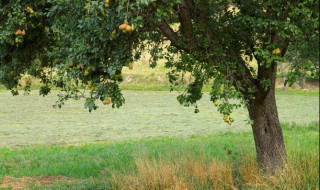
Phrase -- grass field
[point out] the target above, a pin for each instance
(212, 161)
(32, 120)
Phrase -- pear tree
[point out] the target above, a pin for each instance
(81, 46)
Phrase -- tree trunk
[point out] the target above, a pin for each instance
(302, 81)
(270, 148)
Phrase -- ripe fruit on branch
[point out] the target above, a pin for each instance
(30, 10)
(18, 32)
(228, 119)
(86, 73)
(107, 101)
(71, 63)
(126, 28)
(123, 26)
(92, 86)
(276, 51)
(90, 68)
(132, 28)
(80, 67)
(114, 34)
(106, 3)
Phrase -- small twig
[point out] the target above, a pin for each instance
(127, 11)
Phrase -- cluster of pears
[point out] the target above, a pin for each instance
(20, 32)
(126, 28)
(92, 86)
(19, 36)
(106, 3)
(81, 67)
(228, 119)
(30, 10)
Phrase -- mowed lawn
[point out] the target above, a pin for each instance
(32, 119)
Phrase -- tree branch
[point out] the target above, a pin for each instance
(244, 75)
(202, 18)
(184, 10)
(168, 32)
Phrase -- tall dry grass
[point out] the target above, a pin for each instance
(301, 172)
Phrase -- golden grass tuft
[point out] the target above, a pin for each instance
(192, 173)
(151, 174)
(221, 175)
(186, 174)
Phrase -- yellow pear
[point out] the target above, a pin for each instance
(86, 73)
(30, 10)
(276, 51)
(133, 28)
(106, 3)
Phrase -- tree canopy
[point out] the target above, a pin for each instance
(207, 39)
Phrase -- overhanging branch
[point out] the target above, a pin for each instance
(168, 32)
(184, 10)
(246, 78)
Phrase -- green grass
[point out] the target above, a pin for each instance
(28, 120)
(88, 159)
(94, 164)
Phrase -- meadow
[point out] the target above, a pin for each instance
(27, 120)
(151, 142)
(211, 161)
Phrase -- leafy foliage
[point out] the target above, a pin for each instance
(79, 47)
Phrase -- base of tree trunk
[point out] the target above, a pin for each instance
(268, 137)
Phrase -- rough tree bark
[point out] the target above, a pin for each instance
(267, 132)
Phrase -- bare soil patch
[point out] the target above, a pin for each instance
(23, 182)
